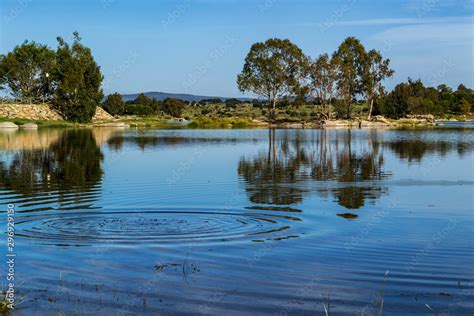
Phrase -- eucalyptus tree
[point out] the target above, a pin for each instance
(26, 69)
(349, 58)
(79, 81)
(323, 73)
(273, 69)
(375, 69)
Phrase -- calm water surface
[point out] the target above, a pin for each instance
(229, 222)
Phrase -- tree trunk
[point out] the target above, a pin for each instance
(370, 108)
(272, 108)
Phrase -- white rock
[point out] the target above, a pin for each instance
(8, 125)
(29, 126)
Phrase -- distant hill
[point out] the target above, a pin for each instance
(187, 97)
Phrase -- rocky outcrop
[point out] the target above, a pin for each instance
(422, 117)
(369, 124)
(40, 112)
(381, 119)
(339, 123)
(101, 115)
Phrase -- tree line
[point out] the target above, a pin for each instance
(339, 85)
(143, 106)
(278, 69)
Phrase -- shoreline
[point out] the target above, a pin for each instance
(222, 123)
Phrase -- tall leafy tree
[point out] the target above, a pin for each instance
(25, 71)
(272, 70)
(349, 57)
(114, 104)
(375, 69)
(324, 74)
(79, 80)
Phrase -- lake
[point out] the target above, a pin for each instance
(233, 222)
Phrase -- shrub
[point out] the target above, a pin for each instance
(138, 110)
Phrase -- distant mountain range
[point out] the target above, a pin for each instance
(187, 97)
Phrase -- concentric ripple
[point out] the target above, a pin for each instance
(152, 227)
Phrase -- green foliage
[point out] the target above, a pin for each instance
(205, 122)
(272, 70)
(114, 104)
(138, 110)
(26, 70)
(413, 97)
(323, 75)
(374, 70)
(232, 103)
(79, 79)
(349, 58)
(143, 100)
(465, 106)
(173, 107)
(210, 101)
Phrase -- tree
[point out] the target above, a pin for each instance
(349, 58)
(375, 70)
(173, 107)
(272, 70)
(465, 106)
(232, 103)
(323, 74)
(26, 70)
(79, 80)
(114, 104)
(143, 100)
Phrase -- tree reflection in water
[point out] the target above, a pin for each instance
(327, 163)
(70, 169)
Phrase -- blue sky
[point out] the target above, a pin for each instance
(198, 46)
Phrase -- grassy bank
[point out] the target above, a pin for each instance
(219, 116)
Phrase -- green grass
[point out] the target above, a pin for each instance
(206, 122)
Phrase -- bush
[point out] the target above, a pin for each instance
(138, 110)
(114, 104)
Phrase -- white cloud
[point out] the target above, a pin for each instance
(453, 33)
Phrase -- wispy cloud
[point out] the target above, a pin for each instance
(452, 33)
(406, 21)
